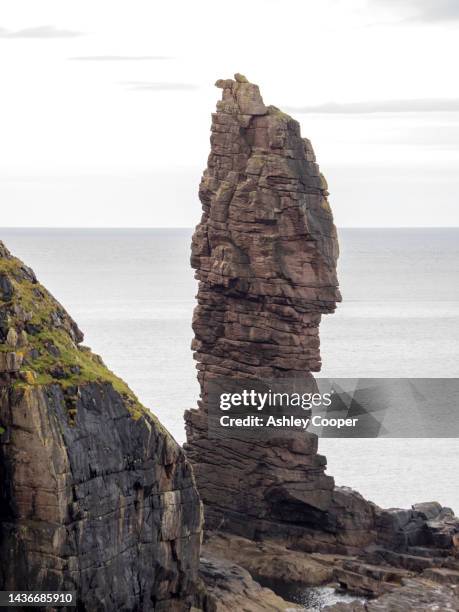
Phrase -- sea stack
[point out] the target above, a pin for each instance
(265, 256)
(95, 496)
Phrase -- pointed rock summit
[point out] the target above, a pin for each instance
(266, 232)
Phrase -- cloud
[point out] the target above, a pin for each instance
(158, 86)
(119, 58)
(427, 105)
(46, 31)
(425, 10)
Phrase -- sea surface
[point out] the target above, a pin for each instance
(132, 293)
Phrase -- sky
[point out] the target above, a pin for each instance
(105, 106)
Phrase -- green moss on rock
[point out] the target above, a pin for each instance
(273, 110)
(37, 328)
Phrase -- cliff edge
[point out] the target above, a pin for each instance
(95, 496)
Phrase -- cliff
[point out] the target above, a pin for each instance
(265, 256)
(95, 496)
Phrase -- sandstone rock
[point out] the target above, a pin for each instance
(268, 561)
(410, 562)
(96, 496)
(369, 580)
(230, 588)
(265, 256)
(240, 78)
(442, 575)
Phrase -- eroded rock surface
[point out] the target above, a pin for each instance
(229, 587)
(265, 257)
(268, 561)
(95, 495)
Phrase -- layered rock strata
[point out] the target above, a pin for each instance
(95, 496)
(265, 257)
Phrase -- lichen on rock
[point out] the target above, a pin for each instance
(41, 339)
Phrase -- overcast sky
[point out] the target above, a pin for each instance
(105, 105)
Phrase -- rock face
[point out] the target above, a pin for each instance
(265, 256)
(95, 495)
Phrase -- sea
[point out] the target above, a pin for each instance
(132, 292)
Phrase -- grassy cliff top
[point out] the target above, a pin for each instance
(43, 340)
